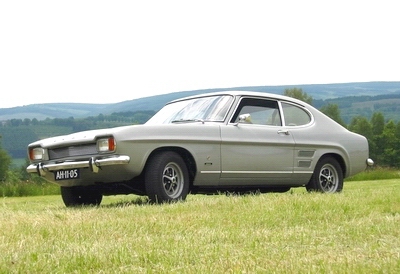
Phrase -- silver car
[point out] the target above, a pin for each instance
(215, 142)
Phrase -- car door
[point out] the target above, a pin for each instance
(255, 148)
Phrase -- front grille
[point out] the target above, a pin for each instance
(72, 151)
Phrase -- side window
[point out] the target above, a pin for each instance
(258, 111)
(294, 115)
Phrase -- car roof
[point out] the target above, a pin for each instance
(244, 93)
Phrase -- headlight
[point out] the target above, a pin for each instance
(106, 144)
(36, 153)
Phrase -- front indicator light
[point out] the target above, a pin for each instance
(106, 144)
(36, 153)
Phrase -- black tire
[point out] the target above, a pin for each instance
(80, 196)
(166, 178)
(327, 176)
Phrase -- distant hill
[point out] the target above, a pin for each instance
(353, 99)
(322, 93)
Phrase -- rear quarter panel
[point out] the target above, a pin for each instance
(325, 136)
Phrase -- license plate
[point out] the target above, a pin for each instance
(66, 174)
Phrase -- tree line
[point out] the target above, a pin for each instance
(17, 133)
(91, 122)
(20, 132)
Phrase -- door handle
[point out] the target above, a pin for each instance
(283, 131)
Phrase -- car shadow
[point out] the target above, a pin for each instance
(138, 201)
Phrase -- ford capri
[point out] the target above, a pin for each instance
(233, 141)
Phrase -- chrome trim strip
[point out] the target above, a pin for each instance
(257, 172)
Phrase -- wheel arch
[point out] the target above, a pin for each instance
(339, 159)
(186, 156)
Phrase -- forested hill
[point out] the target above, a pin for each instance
(23, 125)
(365, 98)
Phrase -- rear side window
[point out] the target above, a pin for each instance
(294, 115)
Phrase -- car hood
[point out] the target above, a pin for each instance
(76, 138)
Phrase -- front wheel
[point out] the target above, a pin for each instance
(166, 178)
(80, 196)
(327, 176)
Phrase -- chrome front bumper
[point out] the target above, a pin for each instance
(93, 164)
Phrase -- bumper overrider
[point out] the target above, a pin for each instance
(94, 164)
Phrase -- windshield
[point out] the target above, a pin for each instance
(212, 108)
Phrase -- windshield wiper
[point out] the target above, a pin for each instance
(187, 121)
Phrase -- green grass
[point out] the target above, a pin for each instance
(28, 188)
(356, 231)
(376, 173)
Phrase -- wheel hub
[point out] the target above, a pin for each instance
(328, 178)
(172, 180)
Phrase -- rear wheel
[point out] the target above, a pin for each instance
(79, 196)
(166, 178)
(327, 176)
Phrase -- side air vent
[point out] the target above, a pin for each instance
(306, 153)
(304, 164)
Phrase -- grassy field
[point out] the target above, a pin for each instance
(356, 231)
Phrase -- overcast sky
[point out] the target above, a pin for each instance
(111, 51)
